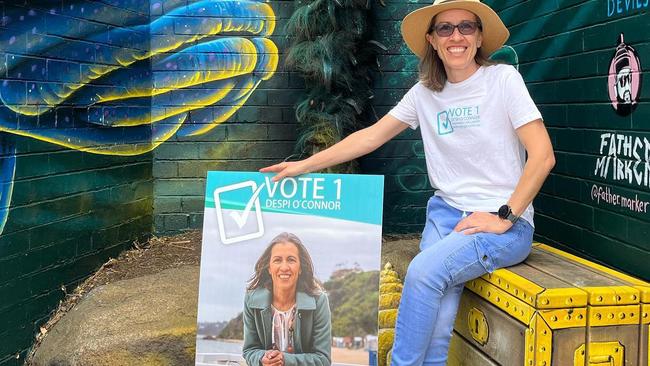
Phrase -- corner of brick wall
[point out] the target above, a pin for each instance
(401, 160)
(260, 133)
(263, 131)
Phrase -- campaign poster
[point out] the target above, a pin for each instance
(289, 269)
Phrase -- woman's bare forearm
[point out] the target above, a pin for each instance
(355, 145)
(539, 164)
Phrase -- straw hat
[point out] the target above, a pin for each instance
(416, 24)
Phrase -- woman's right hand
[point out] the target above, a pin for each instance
(286, 169)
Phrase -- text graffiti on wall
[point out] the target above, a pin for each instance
(624, 158)
(125, 90)
(625, 6)
(606, 195)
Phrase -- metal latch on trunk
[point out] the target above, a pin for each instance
(600, 354)
(478, 326)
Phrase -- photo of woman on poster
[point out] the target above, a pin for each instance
(287, 318)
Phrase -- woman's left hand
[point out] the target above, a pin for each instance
(280, 359)
(273, 358)
(482, 222)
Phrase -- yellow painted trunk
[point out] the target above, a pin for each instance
(555, 309)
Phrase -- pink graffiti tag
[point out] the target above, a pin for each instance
(624, 79)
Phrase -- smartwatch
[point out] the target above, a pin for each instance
(505, 213)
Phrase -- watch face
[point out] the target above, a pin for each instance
(504, 211)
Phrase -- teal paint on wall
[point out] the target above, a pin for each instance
(595, 203)
(407, 187)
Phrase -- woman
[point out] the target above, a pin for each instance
(478, 122)
(286, 312)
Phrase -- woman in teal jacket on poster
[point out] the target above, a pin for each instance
(287, 317)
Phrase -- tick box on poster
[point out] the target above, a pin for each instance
(239, 225)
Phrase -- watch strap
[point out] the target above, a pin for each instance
(505, 213)
(512, 217)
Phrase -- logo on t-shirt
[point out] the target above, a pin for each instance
(444, 124)
(457, 118)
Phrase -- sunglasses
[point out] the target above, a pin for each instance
(465, 28)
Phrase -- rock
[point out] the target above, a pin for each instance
(150, 320)
(399, 254)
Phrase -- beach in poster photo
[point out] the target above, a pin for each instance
(316, 240)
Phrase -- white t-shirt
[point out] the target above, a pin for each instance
(474, 157)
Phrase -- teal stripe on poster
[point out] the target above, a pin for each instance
(342, 196)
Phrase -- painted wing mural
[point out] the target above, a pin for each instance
(132, 99)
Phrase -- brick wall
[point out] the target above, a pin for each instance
(67, 211)
(263, 131)
(260, 133)
(565, 51)
(401, 160)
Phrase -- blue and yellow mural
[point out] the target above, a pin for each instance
(133, 87)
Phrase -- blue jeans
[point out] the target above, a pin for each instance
(436, 277)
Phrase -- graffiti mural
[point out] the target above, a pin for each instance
(131, 88)
(623, 157)
(624, 80)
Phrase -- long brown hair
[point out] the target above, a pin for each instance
(307, 283)
(432, 71)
